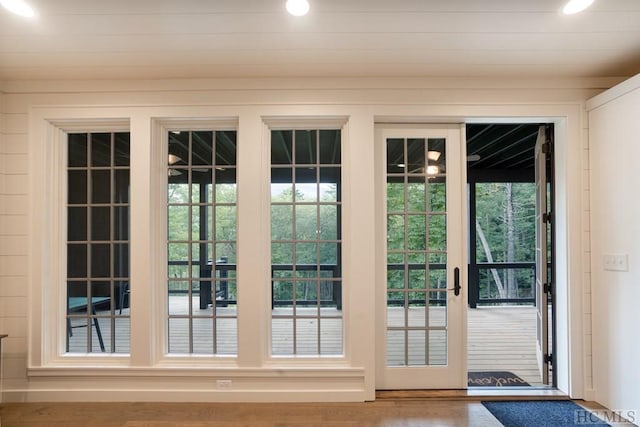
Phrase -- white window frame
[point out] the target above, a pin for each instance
(161, 128)
(48, 236)
(271, 123)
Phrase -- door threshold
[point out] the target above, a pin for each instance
(475, 393)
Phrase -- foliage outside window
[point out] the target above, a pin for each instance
(505, 230)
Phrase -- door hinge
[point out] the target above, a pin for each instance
(547, 288)
(546, 217)
(548, 359)
(546, 147)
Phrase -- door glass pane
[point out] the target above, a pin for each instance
(416, 252)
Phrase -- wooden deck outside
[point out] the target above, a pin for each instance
(499, 338)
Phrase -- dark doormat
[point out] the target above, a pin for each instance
(495, 379)
(542, 413)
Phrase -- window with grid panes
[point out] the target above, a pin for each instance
(202, 237)
(306, 243)
(97, 300)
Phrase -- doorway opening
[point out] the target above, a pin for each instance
(510, 319)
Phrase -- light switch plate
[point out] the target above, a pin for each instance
(616, 262)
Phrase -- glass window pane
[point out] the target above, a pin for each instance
(100, 149)
(179, 337)
(395, 348)
(202, 148)
(226, 147)
(417, 232)
(107, 261)
(77, 156)
(306, 147)
(77, 220)
(417, 279)
(415, 156)
(281, 147)
(178, 223)
(225, 223)
(281, 222)
(331, 336)
(417, 347)
(100, 260)
(416, 196)
(396, 162)
(307, 337)
(329, 222)
(202, 216)
(437, 233)
(307, 212)
(77, 187)
(122, 147)
(225, 193)
(100, 186)
(330, 147)
(122, 336)
(282, 253)
(329, 254)
(100, 223)
(121, 260)
(395, 232)
(395, 196)
(306, 253)
(121, 223)
(76, 260)
(121, 190)
(281, 333)
(437, 197)
(437, 347)
(306, 222)
(281, 185)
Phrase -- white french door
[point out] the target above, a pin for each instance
(421, 269)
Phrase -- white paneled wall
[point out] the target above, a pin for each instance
(615, 208)
(13, 244)
(586, 244)
(440, 100)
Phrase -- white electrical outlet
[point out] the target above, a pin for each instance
(616, 262)
(224, 384)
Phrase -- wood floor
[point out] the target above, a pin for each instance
(399, 413)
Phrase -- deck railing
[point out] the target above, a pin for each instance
(330, 290)
(483, 289)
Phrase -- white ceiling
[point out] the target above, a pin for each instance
(89, 39)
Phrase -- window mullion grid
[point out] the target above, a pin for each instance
(406, 251)
(89, 238)
(427, 217)
(190, 241)
(214, 251)
(318, 235)
(294, 255)
(112, 255)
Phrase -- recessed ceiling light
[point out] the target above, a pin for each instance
(297, 7)
(576, 6)
(19, 7)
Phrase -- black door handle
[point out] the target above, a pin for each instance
(456, 281)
